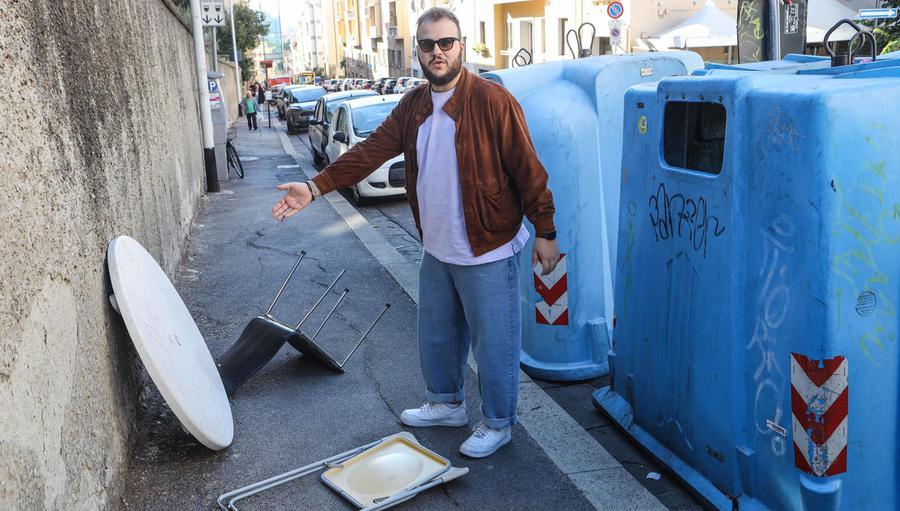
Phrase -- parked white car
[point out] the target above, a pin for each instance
(320, 125)
(411, 84)
(401, 82)
(353, 122)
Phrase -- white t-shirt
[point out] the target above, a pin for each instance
(440, 197)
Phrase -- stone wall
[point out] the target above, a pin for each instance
(229, 89)
(101, 137)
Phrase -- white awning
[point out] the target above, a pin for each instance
(822, 15)
(710, 27)
(707, 28)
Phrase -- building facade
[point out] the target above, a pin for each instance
(505, 33)
(371, 37)
(312, 37)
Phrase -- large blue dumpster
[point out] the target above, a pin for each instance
(574, 114)
(758, 283)
(790, 63)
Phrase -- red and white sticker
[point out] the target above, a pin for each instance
(819, 404)
(552, 305)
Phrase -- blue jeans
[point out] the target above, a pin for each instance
(459, 304)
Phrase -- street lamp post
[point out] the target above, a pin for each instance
(209, 151)
(237, 65)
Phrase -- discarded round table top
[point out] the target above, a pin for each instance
(169, 343)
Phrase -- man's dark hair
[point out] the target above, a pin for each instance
(438, 13)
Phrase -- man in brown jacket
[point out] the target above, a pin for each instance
(471, 174)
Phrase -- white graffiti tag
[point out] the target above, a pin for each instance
(773, 302)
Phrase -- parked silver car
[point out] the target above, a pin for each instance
(301, 105)
(282, 99)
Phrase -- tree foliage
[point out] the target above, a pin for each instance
(251, 28)
(888, 34)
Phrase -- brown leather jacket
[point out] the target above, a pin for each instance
(500, 175)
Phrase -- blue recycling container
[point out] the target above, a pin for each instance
(790, 64)
(574, 114)
(758, 283)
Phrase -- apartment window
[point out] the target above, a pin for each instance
(481, 33)
(562, 35)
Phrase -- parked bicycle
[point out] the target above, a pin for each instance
(234, 161)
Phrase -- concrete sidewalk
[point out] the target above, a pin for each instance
(294, 411)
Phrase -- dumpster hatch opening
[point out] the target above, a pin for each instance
(694, 136)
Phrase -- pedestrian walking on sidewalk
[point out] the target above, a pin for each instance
(260, 95)
(251, 107)
(472, 174)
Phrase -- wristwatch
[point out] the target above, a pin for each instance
(549, 235)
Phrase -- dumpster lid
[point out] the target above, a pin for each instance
(169, 343)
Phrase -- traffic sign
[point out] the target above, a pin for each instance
(212, 13)
(869, 14)
(615, 10)
(616, 30)
(265, 63)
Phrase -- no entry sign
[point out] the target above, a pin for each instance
(615, 10)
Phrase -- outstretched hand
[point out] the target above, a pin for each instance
(297, 197)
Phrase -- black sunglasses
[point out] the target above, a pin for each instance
(444, 43)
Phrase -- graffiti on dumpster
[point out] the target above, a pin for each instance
(677, 216)
(750, 31)
(858, 266)
(773, 302)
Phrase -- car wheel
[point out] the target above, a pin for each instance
(358, 199)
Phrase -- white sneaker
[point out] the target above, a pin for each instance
(435, 414)
(485, 440)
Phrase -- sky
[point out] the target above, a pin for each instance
(290, 10)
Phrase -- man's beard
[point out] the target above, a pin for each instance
(453, 69)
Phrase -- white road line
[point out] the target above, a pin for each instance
(599, 476)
